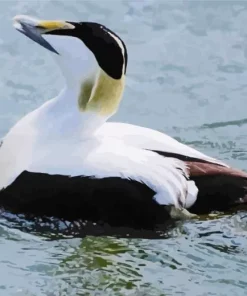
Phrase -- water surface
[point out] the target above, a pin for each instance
(187, 77)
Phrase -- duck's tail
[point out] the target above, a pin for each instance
(220, 188)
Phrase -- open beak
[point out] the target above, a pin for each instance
(34, 29)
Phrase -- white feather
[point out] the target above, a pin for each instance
(146, 138)
(192, 194)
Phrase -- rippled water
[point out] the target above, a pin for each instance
(187, 76)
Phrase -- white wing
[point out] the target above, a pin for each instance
(112, 158)
(146, 138)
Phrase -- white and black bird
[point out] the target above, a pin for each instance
(63, 159)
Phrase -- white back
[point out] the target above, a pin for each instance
(146, 138)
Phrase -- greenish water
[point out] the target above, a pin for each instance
(187, 76)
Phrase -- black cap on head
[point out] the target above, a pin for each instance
(108, 49)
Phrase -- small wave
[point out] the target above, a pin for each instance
(239, 122)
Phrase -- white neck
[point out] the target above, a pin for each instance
(75, 60)
(76, 63)
(62, 118)
(90, 96)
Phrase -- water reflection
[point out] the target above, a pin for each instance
(54, 228)
(158, 267)
(204, 253)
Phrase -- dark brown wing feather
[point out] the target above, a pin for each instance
(200, 169)
(220, 187)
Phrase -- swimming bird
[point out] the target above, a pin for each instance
(64, 159)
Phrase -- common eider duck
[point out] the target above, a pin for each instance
(65, 160)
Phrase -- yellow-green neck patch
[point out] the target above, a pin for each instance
(102, 94)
